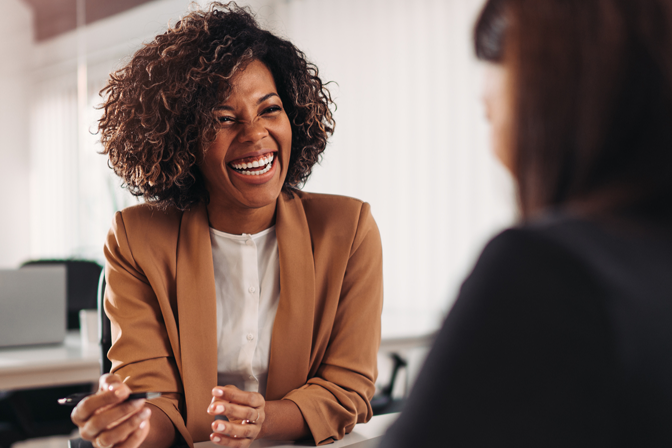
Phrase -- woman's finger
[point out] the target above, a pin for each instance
(235, 395)
(229, 441)
(109, 419)
(120, 433)
(236, 430)
(218, 407)
(88, 407)
(235, 411)
(136, 437)
(111, 390)
(233, 434)
(109, 379)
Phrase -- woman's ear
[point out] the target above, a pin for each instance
(497, 101)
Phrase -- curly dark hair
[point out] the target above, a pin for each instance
(158, 112)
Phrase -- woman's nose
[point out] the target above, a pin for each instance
(252, 132)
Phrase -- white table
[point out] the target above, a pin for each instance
(49, 365)
(376, 427)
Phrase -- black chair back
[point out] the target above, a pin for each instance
(104, 327)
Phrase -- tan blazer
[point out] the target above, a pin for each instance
(161, 302)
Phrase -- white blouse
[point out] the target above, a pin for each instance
(247, 282)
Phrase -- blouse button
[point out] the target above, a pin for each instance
(251, 289)
(250, 337)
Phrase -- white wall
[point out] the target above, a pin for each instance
(15, 93)
(411, 139)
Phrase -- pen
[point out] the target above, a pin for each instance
(72, 400)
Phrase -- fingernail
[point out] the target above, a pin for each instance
(142, 424)
(112, 387)
(119, 393)
(216, 439)
(145, 413)
(217, 392)
(220, 427)
(219, 408)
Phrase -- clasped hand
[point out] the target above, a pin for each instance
(245, 411)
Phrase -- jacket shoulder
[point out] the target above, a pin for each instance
(331, 206)
(336, 217)
(148, 222)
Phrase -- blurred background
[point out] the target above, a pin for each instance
(411, 137)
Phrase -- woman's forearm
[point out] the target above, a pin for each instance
(284, 421)
(161, 430)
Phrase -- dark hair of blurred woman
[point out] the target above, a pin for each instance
(592, 98)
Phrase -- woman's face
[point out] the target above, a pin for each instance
(245, 167)
(498, 110)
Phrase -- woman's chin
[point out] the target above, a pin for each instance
(251, 194)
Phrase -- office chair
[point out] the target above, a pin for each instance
(384, 402)
(104, 331)
(402, 351)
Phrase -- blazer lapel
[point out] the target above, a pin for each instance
(196, 304)
(292, 337)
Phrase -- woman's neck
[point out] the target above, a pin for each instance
(237, 221)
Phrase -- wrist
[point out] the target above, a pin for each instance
(162, 432)
(283, 421)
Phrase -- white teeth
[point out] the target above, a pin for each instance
(257, 173)
(257, 163)
(254, 164)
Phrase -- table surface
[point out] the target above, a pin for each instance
(376, 427)
(49, 365)
(74, 363)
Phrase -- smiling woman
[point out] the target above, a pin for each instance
(230, 291)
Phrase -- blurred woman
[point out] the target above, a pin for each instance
(561, 335)
(254, 308)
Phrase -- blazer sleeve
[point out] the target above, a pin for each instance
(338, 396)
(141, 353)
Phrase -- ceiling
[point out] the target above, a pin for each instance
(54, 17)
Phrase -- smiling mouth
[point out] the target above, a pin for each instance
(253, 166)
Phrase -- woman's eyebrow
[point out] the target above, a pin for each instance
(265, 97)
(259, 101)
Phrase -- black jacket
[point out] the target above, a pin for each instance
(560, 337)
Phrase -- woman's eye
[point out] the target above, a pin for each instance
(272, 109)
(225, 119)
